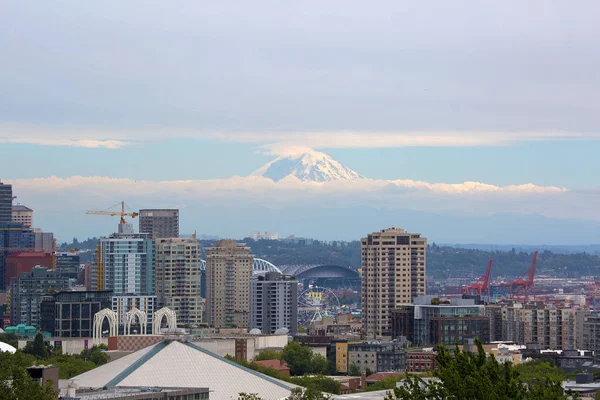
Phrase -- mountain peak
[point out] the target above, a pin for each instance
(308, 166)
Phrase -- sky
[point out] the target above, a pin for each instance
(175, 104)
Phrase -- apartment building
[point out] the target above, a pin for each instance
(393, 274)
(273, 303)
(177, 278)
(543, 324)
(228, 273)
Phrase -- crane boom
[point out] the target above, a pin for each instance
(121, 214)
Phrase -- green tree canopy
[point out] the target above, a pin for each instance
(353, 370)
(268, 355)
(298, 358)
(16, 384)
(463, 375)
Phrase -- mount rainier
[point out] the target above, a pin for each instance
(309, 166)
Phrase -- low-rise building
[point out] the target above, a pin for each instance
(378, 356)
(430, 321)
(71, 314)
(550, 327)
(420, 360)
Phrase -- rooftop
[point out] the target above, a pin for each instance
(20, 207)
(184, 365)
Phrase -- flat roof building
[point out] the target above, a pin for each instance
(160, 223)
(22, 215)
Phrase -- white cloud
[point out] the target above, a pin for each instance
(87, 143)
(280, 143)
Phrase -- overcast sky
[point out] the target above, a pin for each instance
(502, 93)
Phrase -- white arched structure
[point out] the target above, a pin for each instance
(99, 319)
(258, 266)
(261, 265)
(141, 316)
(158, 317)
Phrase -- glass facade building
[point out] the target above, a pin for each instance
(428, 323)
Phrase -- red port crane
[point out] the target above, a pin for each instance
(523, 285)
(481, 284)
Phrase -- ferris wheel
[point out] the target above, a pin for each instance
(315, 303)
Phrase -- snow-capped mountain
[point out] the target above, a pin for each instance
(308, 166)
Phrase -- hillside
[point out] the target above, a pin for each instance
(442, 261)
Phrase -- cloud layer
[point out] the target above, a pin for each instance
(279, 143)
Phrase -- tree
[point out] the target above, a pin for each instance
(298, 358)
(368, 371)
(307, 394)
(319, 382)
(16, 384)
(353, 370)
(37, 348)
(268, 355)
(10, 338)
(320, 365)
(465, 375)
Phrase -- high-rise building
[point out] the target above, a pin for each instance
(393, 274)
(44, 241)
(273, 303)
(177, 278)
(160, 223)
(10, 237)
(17, 263)
(22, 215)
(550, 327)
(228, 273)
(125, 263)
(67, 265)
(26, 294)
(71, 314)
(5, 203)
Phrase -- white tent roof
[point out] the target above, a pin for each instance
(183, 364)
(7, 347)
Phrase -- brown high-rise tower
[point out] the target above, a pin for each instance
(393, 273)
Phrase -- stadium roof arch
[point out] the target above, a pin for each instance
(259, 266)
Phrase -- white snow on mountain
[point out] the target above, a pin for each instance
(308, 166)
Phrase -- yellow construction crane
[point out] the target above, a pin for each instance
(121, 214)
(99, 261)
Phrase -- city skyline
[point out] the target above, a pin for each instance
(449, 115)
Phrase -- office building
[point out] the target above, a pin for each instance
(160, 223)
(67, 265)
(71, 314)
(22, 215)
(393, 274)
(273, 303)
(5, 203)
(18, 263)
(264, 235)
(26, 294)
(10, 237)
(44, 241)
(588, 332)
(228, 272)
(125, 263)
(494, 312)
(378, 356)
(542, 324)
(123, 304)
(429, 322)
(177, 278)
